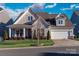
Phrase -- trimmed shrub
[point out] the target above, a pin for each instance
(5, 35)
(48, 35)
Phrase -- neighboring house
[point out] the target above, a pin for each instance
(30, 23)
(5, 20)
(75, 21)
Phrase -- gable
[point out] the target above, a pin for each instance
(24, 17)
(40, 23)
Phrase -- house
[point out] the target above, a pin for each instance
(33, 24)
(75, 20)
(5, 20)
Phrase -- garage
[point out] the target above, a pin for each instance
(59, 34)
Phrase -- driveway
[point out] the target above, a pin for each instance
(68, 42)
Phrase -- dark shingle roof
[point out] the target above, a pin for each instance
(46, 16)
(76, 12)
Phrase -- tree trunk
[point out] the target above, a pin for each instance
(38, 36)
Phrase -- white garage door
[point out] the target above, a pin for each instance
(59, 35)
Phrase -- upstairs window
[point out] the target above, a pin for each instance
(60, 21)
(30, 18)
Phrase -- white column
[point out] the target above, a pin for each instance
(9, 32)
(24, 34)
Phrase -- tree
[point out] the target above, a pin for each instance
(48, 35)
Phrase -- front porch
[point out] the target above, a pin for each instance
(20, 31)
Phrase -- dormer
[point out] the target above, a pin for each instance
(60, 20)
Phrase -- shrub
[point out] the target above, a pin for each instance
(48, 35)
(5, 35)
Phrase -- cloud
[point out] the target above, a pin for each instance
(66, 9)
(2, 5)
(38, 5)
(15, 13)
(70, 8)
(50, 12)
(77, 6)
(73, 6)
(51, 6)
(12, 13)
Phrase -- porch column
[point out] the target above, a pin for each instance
(9, 32)
(24, 33)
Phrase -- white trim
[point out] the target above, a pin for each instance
(9, 32)
(24, 33)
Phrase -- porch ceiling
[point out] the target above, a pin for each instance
(20, 26)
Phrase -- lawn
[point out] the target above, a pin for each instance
(76, 39)
(24, 43)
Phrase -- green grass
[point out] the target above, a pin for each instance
(76, 39)
(24, 43)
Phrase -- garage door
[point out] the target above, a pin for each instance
(59, 35)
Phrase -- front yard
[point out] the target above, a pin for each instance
(24, 43)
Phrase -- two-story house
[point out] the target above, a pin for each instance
(30, 23)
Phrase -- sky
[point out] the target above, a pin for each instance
(17, 8)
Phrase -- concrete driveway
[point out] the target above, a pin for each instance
(63, 43)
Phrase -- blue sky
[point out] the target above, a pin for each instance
(66, 8)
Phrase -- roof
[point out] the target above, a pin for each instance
(76, 12)
(4, 16)
(43, 14)
(52, 15)
(17, 26)
(49, 17)
(1, 9)
(30, 10)
(40, 23)
(60, 27)
(68, 23)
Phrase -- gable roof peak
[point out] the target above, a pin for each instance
(58, 15)
(29, 9)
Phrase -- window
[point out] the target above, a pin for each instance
(60, 22)
(30, 18)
